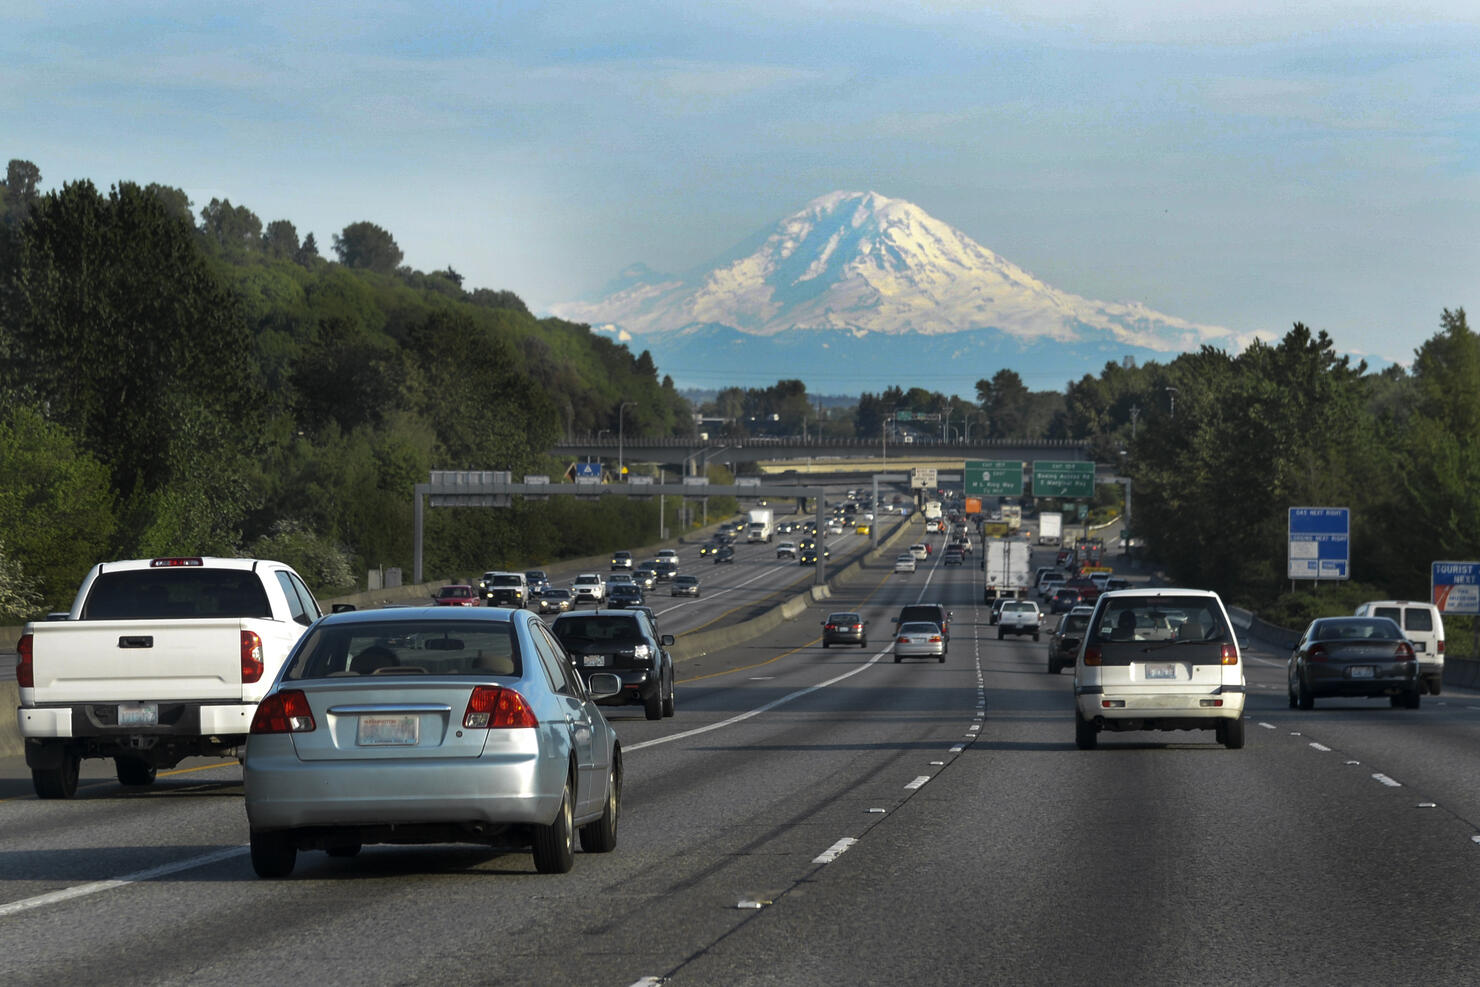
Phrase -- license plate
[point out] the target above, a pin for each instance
(1162, 671)
(1362, 671)
(401, 730)
(593, 661)
(138, 714)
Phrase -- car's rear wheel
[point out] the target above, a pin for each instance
(1086, 737)
(1230, 733)
(134, 771)
(273, 854)
(1411, 700)
(999, 633)
(554, 845)
(1053, 667)
(941, 658)
(824, 642)
(863, 642)
(653, 704)
(1436, 685)
(59, 782)
(1304, 698)
(669, 701)
(601, 835)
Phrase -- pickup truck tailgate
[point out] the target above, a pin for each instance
(112, 660)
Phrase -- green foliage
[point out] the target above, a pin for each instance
(19, 600)
(367, 246)
(318, 560)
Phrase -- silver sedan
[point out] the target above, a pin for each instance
(431, 725)
(919, 640)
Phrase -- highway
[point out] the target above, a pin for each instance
(818, 816)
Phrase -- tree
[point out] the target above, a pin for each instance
(20, 187)
(281, 239)
(233, 227)
(309, 252)
(365, 245)
(1004, 400)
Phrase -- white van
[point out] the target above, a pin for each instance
(1159, 659)
(1423, 625)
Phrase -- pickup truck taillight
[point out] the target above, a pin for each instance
(25, 670)
(284, 712)
(252, 665)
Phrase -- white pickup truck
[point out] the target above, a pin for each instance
(158, 660)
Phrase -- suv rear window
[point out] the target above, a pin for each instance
(507, 581)
(1132, 628)
(395, 647)
(160, 594)
(595, 628)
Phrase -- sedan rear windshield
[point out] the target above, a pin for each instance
(407, 647)
(162, 594)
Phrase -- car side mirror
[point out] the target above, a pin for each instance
(666, 640)
(342, 608)
(603, 685)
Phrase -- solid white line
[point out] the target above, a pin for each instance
(758, 710)
(835, 851)
(1388, 781)
(917, 784)
(82, 890)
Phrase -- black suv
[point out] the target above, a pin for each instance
(626, 644)
(933, 613)
(620, 595)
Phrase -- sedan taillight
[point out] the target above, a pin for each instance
(1404, 652)
(1318, 653)
(284, 712)
(492, 707)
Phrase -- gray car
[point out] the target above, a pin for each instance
(424, 725)
(919, 640)
(1354, 657)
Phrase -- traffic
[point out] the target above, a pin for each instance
(827, 803)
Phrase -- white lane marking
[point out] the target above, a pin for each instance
(647, 982)
(1475, 839)
(937, 764)
(835, 851)
(1427, 805)
(741, 717)
(1267, 726)
(1353, 762)
(81, 890)
(1320, 747)
(1387, 781)
(917, 784)
(958, 748)
(878, 810)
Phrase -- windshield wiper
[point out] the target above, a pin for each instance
(1173, 644)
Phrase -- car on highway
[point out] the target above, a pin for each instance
(919, 639)
(627, 644)
(808, 556)
(904, 563)
(619, 595)
(861, 529)
(995, 614)
(1159, 659)
(786, 550)
(1064, 599)
(455, 595)
(665, 569)
(684, 586)
(1063, 644)
(504, 589)
(919, 551)
(845, 627)
(1050, 583)
(669, 555)
(952, 556)
(621, 561)
(709, 547)
(725, 554)
(1423, 626)
(932, 613)
(1354, 657)
(645, 577)
(538, 580)
(835, 527)
(420, 725)
(1019, 617)
(589, 587)
(553, 599)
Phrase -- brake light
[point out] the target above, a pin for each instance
(1440, 646)
(935, 639)
(175, 563)
(1404, 652)
(1229, 655)
(492, 707)
(902, 640)
(252, 664)
(284, 712)
(1318, 653)
(25, 670)
(1092, 654)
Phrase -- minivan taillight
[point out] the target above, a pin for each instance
(1439, 647)
(25, 669)
(1229, 655)
(284, 712)
(1092, 654)
(492, 707)
(252, 666)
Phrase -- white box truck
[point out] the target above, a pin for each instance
(1006, 562)
(760, 525)
(1050, 527)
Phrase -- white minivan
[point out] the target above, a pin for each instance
(1423, 626)
(1159, 659)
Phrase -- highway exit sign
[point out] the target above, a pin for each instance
(992, 478)
(1071, 479)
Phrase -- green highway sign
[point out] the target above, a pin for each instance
(1074, 479)
(992, 478)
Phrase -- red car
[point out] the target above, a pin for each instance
(456, 595)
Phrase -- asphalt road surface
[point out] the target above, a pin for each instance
(827, 816)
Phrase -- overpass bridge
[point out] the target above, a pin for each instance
(691, 455)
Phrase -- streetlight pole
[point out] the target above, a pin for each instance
(621, 474)
(1172, 397)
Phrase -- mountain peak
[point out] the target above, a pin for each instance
(864, 262)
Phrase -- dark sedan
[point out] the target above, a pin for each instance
(1065, 599)
(844, 628)
(725, 554)
(1353, 657)
(1063, 646)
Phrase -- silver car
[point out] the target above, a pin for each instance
(425, 725)
(918, 639)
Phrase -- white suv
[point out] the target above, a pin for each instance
(1421, 625)
(1159, 659)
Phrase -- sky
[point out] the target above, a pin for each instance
(1240, 164)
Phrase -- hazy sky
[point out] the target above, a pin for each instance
(1240, 164)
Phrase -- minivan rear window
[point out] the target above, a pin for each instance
(1128, 630)
(1417, 619)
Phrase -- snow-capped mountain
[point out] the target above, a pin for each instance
(864, 264)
